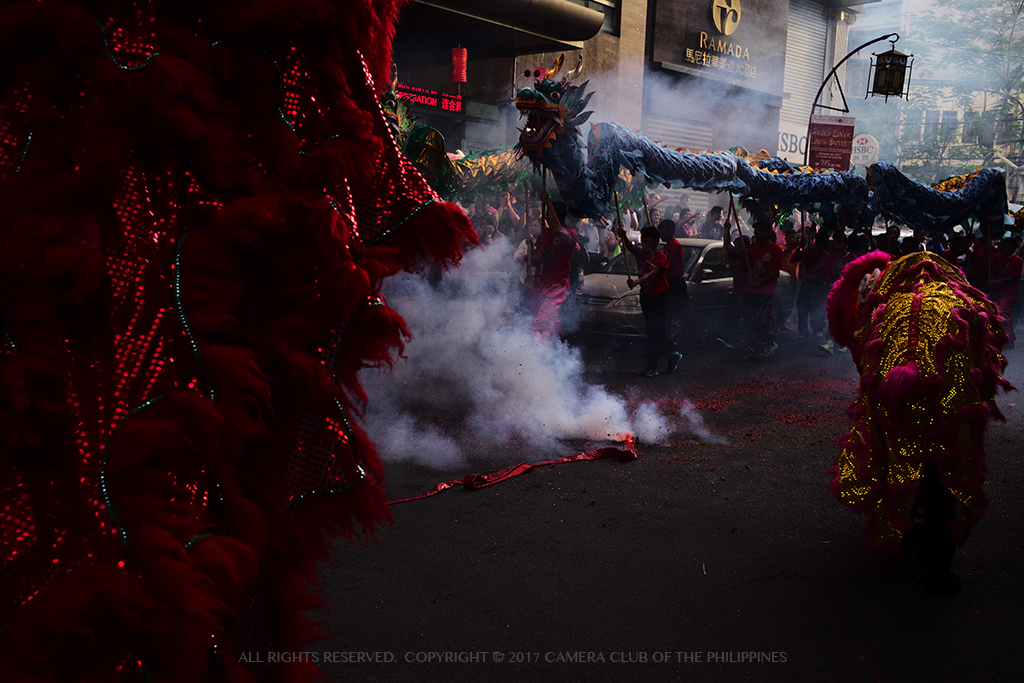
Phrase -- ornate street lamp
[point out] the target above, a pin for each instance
(892, 74)
(895, 78)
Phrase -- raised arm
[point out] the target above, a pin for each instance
(552, 218)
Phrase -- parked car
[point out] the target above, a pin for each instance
(606, 305)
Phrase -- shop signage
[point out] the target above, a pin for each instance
(865, 150)
(830, 139)
(429, 98)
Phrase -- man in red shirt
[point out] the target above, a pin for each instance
(736, 252)
(978, 263)
(676, 276)
(765, 258)
(814, 286)
(837, 255)
(1005, 283)
(786, 297)
(654, 299)
(552, 255)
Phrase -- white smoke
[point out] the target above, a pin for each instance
(474, 361)
(693, 423)
(649, 424)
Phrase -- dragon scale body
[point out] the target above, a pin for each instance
(587, 181)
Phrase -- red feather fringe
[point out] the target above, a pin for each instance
(183, 285)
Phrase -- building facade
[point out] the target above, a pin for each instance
(694, 74)
(952, 122)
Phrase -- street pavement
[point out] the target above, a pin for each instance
(697, 561)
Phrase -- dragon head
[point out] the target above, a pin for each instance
(397, 112)
(552, 108)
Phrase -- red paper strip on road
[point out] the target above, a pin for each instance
(479, 481)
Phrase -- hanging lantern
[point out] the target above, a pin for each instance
(892, 74)
(459, 65)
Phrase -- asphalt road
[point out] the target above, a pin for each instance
(695, 562)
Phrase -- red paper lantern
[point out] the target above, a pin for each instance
(458, 65)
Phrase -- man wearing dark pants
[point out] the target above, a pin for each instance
(654, 300)
(676, 276)
(765, 258)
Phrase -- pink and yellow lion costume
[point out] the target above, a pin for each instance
(928, 348)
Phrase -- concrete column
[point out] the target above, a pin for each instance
(632, 49)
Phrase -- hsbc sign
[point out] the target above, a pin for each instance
(865, 150)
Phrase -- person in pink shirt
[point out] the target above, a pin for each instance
(552, 255)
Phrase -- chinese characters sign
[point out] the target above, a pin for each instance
(830, 139)
(741, 42)
(721, 62)
(429, 98)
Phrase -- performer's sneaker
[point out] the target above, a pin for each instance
(652, 369)
(769, 351)
(752, 353)
(828, 348)
(673, 362)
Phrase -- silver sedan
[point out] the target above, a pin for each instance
(606, 305)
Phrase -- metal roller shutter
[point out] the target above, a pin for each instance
(675, 134)
(806, 46)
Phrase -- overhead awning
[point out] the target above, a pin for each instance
(505, 27)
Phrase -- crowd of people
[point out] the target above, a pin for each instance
(940, 497)
(553, 261)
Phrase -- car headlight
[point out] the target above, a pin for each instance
(629, 300)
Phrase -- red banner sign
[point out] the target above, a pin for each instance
(830, 139)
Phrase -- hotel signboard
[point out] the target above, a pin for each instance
(739, 41)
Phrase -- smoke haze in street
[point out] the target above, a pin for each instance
(475, 368)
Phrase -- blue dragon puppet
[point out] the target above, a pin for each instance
(555, 110)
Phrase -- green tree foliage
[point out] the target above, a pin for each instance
(969, 59)
(979, 46)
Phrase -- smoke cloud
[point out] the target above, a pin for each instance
(474, 377)
(693, 423)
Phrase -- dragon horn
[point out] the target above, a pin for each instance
(576, 71)
(556, 67)
(394, 76)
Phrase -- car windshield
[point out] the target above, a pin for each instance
(617, 265)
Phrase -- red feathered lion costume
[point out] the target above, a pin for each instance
(927, 346)
(200, 201)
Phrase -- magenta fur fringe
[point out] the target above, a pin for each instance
(974, 330)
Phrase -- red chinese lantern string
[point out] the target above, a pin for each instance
(458, 65)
